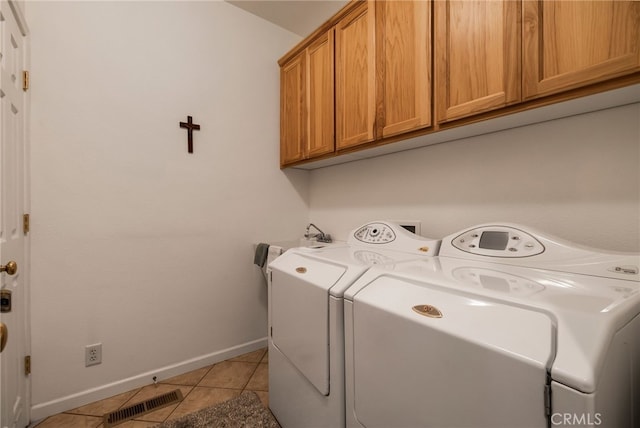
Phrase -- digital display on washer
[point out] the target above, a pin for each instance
(494, 240)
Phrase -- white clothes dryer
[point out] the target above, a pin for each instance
(306, 327)
(515, 329)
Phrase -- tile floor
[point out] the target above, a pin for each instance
(200, 388)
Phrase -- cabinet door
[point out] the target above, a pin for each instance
(477, 55)
(292, 110)
(320, 95)
(568, 44)
(355, 77)
(403, 31)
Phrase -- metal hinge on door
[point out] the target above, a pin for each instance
(25, 80)
(27, 365)
(547, 400)
(25, 223)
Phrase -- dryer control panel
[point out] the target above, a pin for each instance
(498, 241)
(375, 233)
(388, 235)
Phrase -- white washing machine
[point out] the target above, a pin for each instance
(516, 329)
(306, 337)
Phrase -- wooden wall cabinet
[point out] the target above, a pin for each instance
(477, 56)
(355, 77)
(307, 102)
(293, 110)
(364, 78)
(569, 44)
(383, 71)
(382, 64)
(320, 56)
(403, 66)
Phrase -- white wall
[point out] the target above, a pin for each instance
(136, 243)
(577, 178)
(148, 249)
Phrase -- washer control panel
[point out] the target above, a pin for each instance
(498, 241)
(375, 233)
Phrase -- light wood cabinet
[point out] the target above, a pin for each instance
(292, 110)
(321, 94)
(381, 71)
(403, 66)
(307, 106)
(355, 77)
(568, 44)
(477, 56)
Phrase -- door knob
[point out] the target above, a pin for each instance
(10, 268)
(4, 335)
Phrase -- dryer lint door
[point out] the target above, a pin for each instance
(300, 314)
(482, 363)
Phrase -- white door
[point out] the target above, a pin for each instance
(13, 380)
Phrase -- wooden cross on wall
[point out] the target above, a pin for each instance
(190, 126)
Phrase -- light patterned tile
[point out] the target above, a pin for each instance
(260, 379)
(151, 391)
(229, 374)
(66, 420)
(191, 378)
(202, 397)
(99, 408)
(251, 357)
(217, 383)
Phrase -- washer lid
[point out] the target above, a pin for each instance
(507, 328)
(447, 350)
(355, 260)
(587, 311)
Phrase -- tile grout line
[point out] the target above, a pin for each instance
(197, 385)
(255, 369)
(136, 391)
(193, 387)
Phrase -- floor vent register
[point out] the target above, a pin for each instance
(133, 411)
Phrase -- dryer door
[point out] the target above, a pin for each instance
(300, 313)
(483, 363)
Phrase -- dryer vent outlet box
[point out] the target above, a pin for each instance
(411, 226)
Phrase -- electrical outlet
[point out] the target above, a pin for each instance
(92, 354)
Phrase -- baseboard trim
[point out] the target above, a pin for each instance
(43, 410)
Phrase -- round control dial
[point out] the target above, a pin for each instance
(375, 233)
